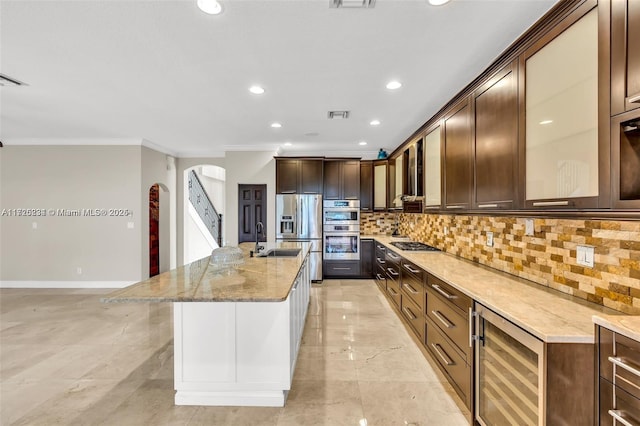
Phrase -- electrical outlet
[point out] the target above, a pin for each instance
(489, 239)
(34, 225)
(378, 222)
(130, 225)
(446, 231)
(79, 270)
(585, 255)
(528, 227)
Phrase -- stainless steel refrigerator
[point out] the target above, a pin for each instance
(299, 218)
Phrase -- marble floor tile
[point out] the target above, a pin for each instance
(67, 359)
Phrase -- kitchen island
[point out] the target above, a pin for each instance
(236, 333)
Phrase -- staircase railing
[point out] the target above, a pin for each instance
(203, 205)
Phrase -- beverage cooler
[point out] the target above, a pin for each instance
(509, 366)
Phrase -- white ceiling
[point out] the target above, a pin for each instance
(165, 72)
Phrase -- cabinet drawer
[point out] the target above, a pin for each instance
(450, 361)
(343, 268)
(380, 260)
(412, 287)
(413, 314)
(449, 293)
(619, 356)
(413, 269)
(393, 258)
(620, 402)
(393, 290)
(393, 272)
(450, 321)
(381, 278)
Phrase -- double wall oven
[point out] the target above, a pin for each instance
(341, 236)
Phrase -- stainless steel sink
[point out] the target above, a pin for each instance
(280, 252)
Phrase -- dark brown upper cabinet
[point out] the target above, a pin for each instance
(366, 185)
(625, 142)
(625, 55)
(496, 141)
(458, 159)
(342, 179)
(565, 127)
(299, 176)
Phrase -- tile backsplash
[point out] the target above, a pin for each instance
(547, 258)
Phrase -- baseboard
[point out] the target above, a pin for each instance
(65, 284)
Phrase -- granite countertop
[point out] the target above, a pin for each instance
(627, 325)
(259, 279)
(548, 314)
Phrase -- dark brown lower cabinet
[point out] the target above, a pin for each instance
(618, 397)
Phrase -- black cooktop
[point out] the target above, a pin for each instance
(413, 246)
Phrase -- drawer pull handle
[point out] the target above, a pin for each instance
(487, 206)
(394, 257)
(437, 288)
(392, 272)
(380, 277)
(620, 363)
(341, 269)
(442, 355)
(415, 271)
(392, 291)
(409, 313)
(380, 261)
(443, 320)
(411, 289)
(634, 98)
(455, 207)
(617, 414)
(550, 203)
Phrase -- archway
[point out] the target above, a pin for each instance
(204, 198)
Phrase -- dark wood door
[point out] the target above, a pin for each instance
(458, 159)
(252, 208)
(351, 180)
(286, 176)
(625, 55)
(332, 179)
(366, 185)
(310, 172)
(496, 141)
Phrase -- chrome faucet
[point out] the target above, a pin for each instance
(259, 230)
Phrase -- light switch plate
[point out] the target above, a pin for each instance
(489, 239)
(130, 225)
(585, 255)
(446, 231)
(528, 227)
(34, 225)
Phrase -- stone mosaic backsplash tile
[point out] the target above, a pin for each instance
(547, 258)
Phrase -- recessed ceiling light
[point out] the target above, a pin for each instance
(393, 85)
(276, 125)
(256, 90)
(212, 7)
(374, 122)
(438, 2)
(362, 143)
(543, 122)
(287, 144)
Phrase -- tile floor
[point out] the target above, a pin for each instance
(67, 359)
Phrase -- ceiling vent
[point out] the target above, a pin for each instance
(338, 115)
(352, 4)
(8, 81)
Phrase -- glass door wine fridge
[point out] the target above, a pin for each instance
(509, 372)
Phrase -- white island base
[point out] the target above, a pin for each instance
(239, 353)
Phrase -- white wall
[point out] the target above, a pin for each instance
(249, 168)
(70, 177)
(200, 243)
